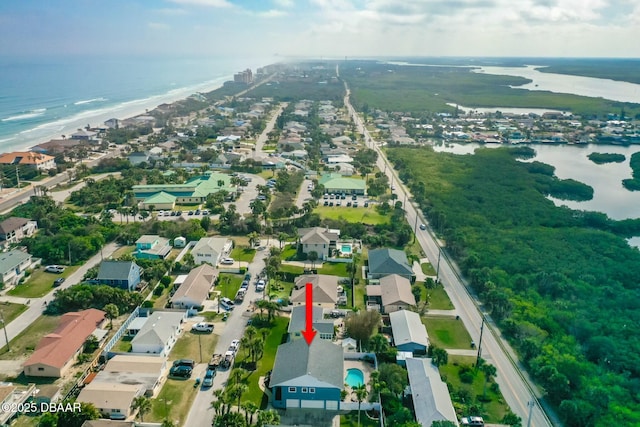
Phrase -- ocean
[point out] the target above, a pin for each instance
(42, 98)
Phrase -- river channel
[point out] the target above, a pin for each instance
(571, 161)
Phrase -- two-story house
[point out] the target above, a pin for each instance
(120, 274)
(319, 240)
(149, 246)
(14, 229)
(13, 264)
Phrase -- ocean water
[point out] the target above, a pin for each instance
(45, 97)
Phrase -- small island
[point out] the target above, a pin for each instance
(633, 184)
(602, 158)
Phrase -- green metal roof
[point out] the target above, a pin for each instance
(160, 198)
(339, 182)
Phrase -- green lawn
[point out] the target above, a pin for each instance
(24, 344)
(334, 269)
(229, 284)
(280, 289)
(243, 254)
(39, 283)
(293, 269)
(428, 269)
(211, 316)
(123, 345)
(447, 332)
(351, 420)
(492, 411)
(124, 250)
(362, 215)
(174, 401)
(10, 310)
(198, 347)
(289, 253)
(278, 329)
(439, 300)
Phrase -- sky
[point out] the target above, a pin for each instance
(322, 28)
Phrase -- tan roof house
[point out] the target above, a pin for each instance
(14, 229)
(195, 288)
(57, 351)
(392, 294)
(325, 290)
(111, 398)
(318, 239)
(28, 158)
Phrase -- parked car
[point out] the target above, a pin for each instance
(202, 327)
(227, 303)
(180, 371)
(54, 269)
(215, 361)
(472, 421)
(184, 362)
(235, 345)
(354, 197)
(227, 261)
(260, 285)
(208, 378)
(247, 276)
(58, 282)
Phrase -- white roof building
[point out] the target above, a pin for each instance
(430, 394)
(159, 333)
(409, 334)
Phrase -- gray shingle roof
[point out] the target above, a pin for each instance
(389, 261)
(430, 394)
(114, 270)
(408, 328)
(12, 259)
(319, 323)
(320, 364)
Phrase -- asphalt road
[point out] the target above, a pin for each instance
(518, 392)
(201, 413)
(268, 128)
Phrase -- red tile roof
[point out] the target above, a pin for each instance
(58, 347)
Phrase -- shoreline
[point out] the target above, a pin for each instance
(125, 110)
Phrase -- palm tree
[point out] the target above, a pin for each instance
(250, 409)
(253, 237)
(313, 257)
(167, 423)
(269, 417)
(237, 374)
(489, 371)
(143, 405)
(236, 391)
(282, 237)
(361, 394)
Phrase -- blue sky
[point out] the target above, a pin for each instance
(608, 28)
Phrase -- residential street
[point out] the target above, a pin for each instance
(516, 388)
(201, 413)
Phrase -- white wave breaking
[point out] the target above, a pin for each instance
(25, 115)
(89, 101)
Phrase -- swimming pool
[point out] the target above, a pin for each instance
(355, 377)
(346, 249)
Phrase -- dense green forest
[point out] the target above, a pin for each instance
(561, 284)
(633, 184)
(602, 158)
(429, 89)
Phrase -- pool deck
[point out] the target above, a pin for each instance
(366, 370)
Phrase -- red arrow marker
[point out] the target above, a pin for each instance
(309, 333)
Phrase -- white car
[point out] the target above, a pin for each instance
(260, 285)
(202, 327)
(235, 345)
(54, 269)
(227, 261)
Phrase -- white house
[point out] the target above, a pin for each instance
(13, 265)
(319, 240)
(211, 250)
(159, 334)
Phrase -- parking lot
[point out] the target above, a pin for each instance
(345, 200)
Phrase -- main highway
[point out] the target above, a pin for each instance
(518, 390)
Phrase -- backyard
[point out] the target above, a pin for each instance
(278, 329)
(173, 401)
(447, 332)
(457, 374)
(194, 346)
(228, 284)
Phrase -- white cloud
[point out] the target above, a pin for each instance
(272, 13)
(208, 3)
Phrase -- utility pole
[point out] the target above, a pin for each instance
(415, 227)
(4, 326)
(480, 344)
(438, 266)
(69, 253)
(530, 404)
(18, 176)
